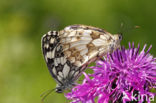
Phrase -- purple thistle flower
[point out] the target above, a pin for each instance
(124, 76)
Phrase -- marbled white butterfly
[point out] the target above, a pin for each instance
(69, 51)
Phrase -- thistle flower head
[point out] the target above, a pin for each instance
(121, 77)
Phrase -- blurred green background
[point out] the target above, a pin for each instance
(23, 72)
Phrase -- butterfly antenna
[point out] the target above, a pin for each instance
(127, 29)
(45, 94)
(121, 28)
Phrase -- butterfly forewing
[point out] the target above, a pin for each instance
(69, 51)
(60, 67)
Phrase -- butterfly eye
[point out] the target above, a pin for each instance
(59, 90)
(120, 37)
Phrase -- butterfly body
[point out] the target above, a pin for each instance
(69, 51)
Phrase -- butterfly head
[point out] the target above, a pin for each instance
(65, 86)
(116, 41)
(59, 90)
(118, 38)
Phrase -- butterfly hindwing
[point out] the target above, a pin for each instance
(82, 44)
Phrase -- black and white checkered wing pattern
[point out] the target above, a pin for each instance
(61, 69)
(50, 42)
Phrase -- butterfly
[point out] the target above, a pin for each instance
(68, 52)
